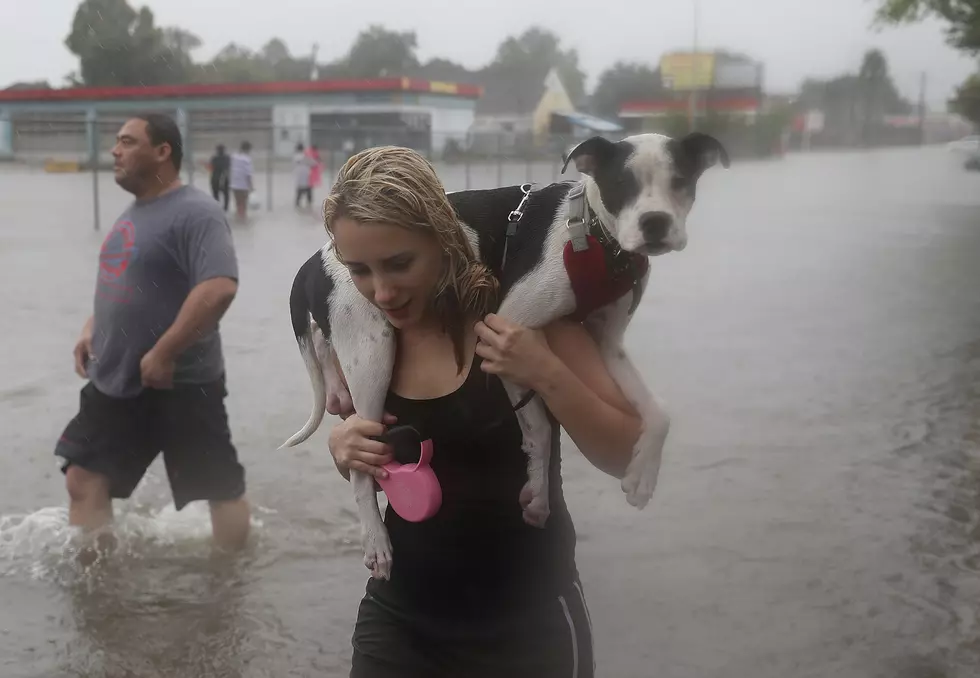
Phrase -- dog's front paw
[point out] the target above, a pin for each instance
(631, 486)
(536, 506)
(641, 478)
(377, 552)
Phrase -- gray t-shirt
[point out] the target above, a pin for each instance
(156, 252)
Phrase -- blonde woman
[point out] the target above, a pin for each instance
(474, 590)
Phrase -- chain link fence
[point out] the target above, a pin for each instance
(463, 160)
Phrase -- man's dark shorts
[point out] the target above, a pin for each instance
(120, 437)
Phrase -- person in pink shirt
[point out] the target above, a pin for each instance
(316, 169)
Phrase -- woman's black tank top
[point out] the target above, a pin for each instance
(476, 556)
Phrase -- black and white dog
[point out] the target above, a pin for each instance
(579, 249)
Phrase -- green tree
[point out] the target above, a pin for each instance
(854, 104)
(378, 52)
(273, 62)
(624, 82)
(235, 63)
(119, 46)
(446, 69)
(536, 47)
(966, 101)
(28, 84)
(275, 52)
(873, 83)
(961, 16)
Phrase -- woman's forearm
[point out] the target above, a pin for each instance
(603, 433)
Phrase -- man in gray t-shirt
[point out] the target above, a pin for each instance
(157, 252)
(167, 272)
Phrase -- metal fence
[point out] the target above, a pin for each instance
(38, 137)
(463, 160)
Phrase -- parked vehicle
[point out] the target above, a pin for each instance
(969, 145)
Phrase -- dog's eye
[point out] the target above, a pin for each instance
(679, 183)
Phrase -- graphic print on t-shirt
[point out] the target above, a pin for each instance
(118, 251)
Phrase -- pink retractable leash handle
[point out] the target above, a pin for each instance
(413, 490)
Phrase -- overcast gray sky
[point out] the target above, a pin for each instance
(795, 38)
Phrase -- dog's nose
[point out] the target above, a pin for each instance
(654, 226)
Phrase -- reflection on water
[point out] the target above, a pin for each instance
(946, 539)
(163, 602)
(179, 617)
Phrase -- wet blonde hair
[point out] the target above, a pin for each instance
(398, 186)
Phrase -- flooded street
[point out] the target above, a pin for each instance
(818, 512)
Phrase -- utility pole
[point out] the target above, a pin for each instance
(693, 95)
(922, 108)
(314, 71)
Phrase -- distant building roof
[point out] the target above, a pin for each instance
(506, 93)
(443, 70)
(241, 89)
(591, 122)
(37, 84)
(721, 103)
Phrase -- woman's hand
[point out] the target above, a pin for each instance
(352, 448)
(513, 352)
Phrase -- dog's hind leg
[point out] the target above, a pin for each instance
(607, 326)
(337, 395)
(365, 346)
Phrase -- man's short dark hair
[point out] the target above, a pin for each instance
(163, 130)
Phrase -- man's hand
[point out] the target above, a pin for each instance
(157, 369)
(83, 350)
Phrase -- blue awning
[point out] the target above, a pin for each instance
(591, 122)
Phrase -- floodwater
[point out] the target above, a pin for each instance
(818, 513)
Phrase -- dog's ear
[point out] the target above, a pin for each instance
(704, 150)
(589, 154)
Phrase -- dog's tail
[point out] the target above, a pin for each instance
(307, 336)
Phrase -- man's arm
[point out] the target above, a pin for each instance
(199, 314)
(206, 253)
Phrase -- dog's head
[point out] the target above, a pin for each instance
(646, 185)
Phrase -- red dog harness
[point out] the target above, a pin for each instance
(599, 270)
(599, 278)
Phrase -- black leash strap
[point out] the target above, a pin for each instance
(528, 397)
(513, 219)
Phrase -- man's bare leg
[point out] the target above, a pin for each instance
(230, 522)
(90, 508)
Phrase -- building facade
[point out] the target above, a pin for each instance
(339, 116)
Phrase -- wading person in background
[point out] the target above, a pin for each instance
(152, 350)
(302, 174)
(220, 169)
(316, 171)
(474, 591)
(241, 179)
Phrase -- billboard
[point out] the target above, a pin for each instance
(731, 74)
(686, 71)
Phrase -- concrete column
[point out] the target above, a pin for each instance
(92, 137)
(183, 124)
(92, 133)
(6, 134)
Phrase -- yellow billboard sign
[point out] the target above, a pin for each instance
(686, 71)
